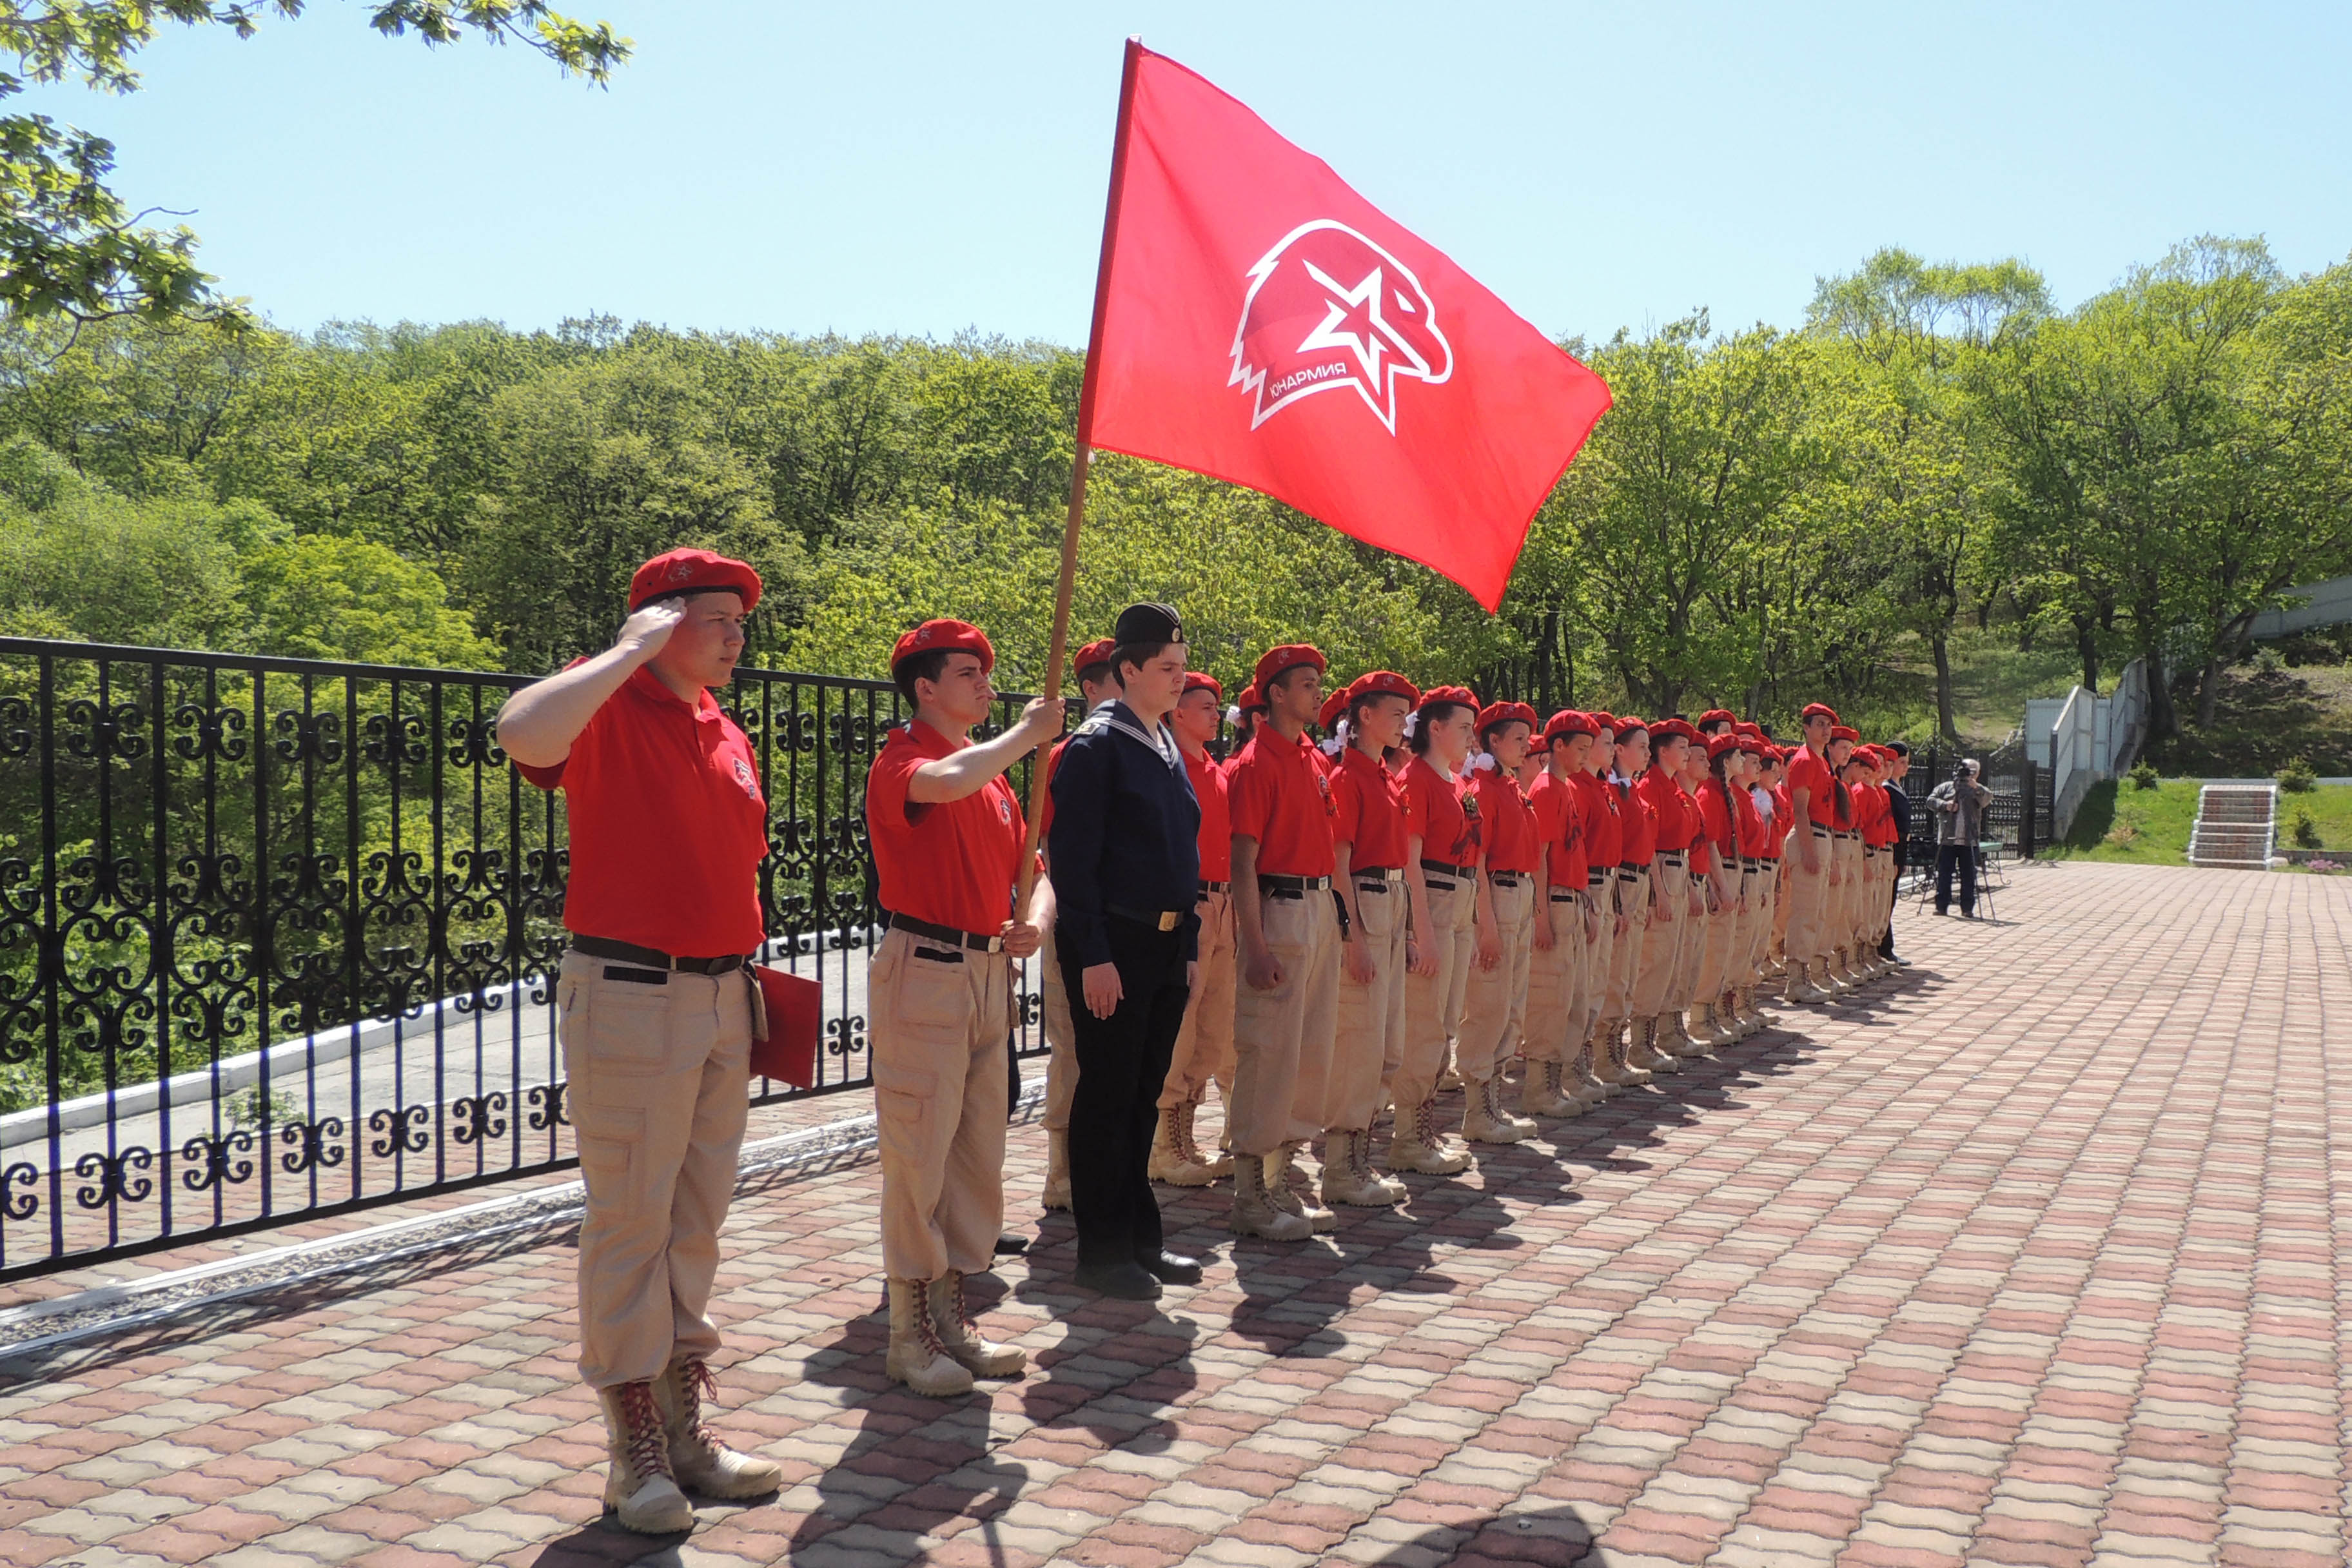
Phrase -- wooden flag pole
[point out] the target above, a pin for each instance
(1057, 651)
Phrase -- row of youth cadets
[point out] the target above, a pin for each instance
(1325, 932)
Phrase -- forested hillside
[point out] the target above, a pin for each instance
(1934, 463)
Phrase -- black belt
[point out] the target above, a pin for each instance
(1848, 835)
(1597, 876)
(1379, 873)
(1671, 856)
(654, 958)
(1629, 870)
(1208, 887)
(1560, 897)
(948, 934)
(1506, 878)
(1819, 831)
(1276, 885)
(1158, 919)
(1443, 869)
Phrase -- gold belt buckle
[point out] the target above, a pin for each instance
(1168, 920)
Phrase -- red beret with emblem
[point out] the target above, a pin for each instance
(1457, 694)
(1719, 744)
(1383, 683)
(1251, 701)
(1568, 721)
(677, 572)
(1632, 724)
(1196, 681)
(1274, 662)
(1748, 731)
(1495, 715)
(1327, 716)
(945, 636)
(1095, 652)
(1718, 716)
(1603, 722)
(1673, 728)
(1763, 751)
(1817, 711)
(1842, 732)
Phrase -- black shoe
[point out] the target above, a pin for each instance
(1171, 1269)
(1127, 1282)
(1011, 1244)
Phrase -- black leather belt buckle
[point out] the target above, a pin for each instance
(1158, 919)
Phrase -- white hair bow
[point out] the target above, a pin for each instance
(1233, 715)
(1483, 762)
(1411, 722)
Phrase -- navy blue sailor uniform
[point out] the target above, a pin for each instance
(1125, 849)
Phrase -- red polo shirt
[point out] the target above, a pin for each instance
(1756, 840)
(1559, 828)
(1637, 825)
(1216, 821)
(1809, 772)
(1720, 821)
(1279, 796)
(1670, 827)
(1604, 832)
(1508, 825)
(1368, 813)
(667, 824)
(951, 862)
(1434, 812)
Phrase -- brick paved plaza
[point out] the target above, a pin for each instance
(2031, 1259)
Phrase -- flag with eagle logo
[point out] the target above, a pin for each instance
(1261, 323)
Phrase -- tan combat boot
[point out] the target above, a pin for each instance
(1057, 1168)
(639, 1485)
(1164, 1156)
(1450, 1076)
(1479, 1122)
(1799, 991)
(1175, 1158)
(1287, 1187)
(918, 1356)
(1361, 1149)
(1214, 1170)
(697, 1458)
(1711, 1027)
(1577, 1079)
(1539, 1092)
(1346, 1180)
(1254, 1212)
(952, 1319)
(1679, 1039)
(1416, 1144)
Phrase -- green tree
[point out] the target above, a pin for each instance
(68, 245)
(354, 600)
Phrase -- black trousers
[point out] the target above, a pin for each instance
(1122, 1066)
(1894, 902)
(1964, 858)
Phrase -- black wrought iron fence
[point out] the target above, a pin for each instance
(2019, 814)
(275, 935)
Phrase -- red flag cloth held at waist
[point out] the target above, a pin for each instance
(784, 1028)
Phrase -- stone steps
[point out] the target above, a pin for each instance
(2236, 827)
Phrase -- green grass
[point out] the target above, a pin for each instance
(2151, 827)
(2135, 826)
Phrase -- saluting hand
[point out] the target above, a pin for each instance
(645, 630)
(1103, 989)
(1021, 938)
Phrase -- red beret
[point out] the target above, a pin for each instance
(1496, 714)
(1603, 723)
(1763, 751)
(1196, 681)
(1718, 716)
(1675, 729)
(1841, 733)
(1719, 744)
(945, 636)
(1748, 731)
(1383, 683)
(1095, 652)
(1289, 656)
(1251, 700)
(692, 572)
(1629, 724)
(1327, 716)
(1461, 694)
(1817, 711)
(1568, 721)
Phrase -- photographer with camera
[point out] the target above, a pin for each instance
(1959, 805)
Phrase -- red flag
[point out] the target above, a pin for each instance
(1259, 321)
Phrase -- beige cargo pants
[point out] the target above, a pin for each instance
(938, 1018)
(1661, 944)
(1556, 984)
(656, 1095)
(1282, 1037)
(1809, 895)
(1434, 1003)
(1494, 1013)
(1372, 1016)
(1204, 1046)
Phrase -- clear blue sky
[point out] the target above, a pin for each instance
(925, 167)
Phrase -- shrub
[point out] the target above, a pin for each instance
(2267, 660)
(2144, 776)
(2302, 829)
(2297, 778)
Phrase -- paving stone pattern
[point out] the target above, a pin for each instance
(2031, 1259)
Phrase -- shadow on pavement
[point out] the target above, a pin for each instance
(1557, 1537)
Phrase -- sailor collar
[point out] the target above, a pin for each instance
(1114, 715)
